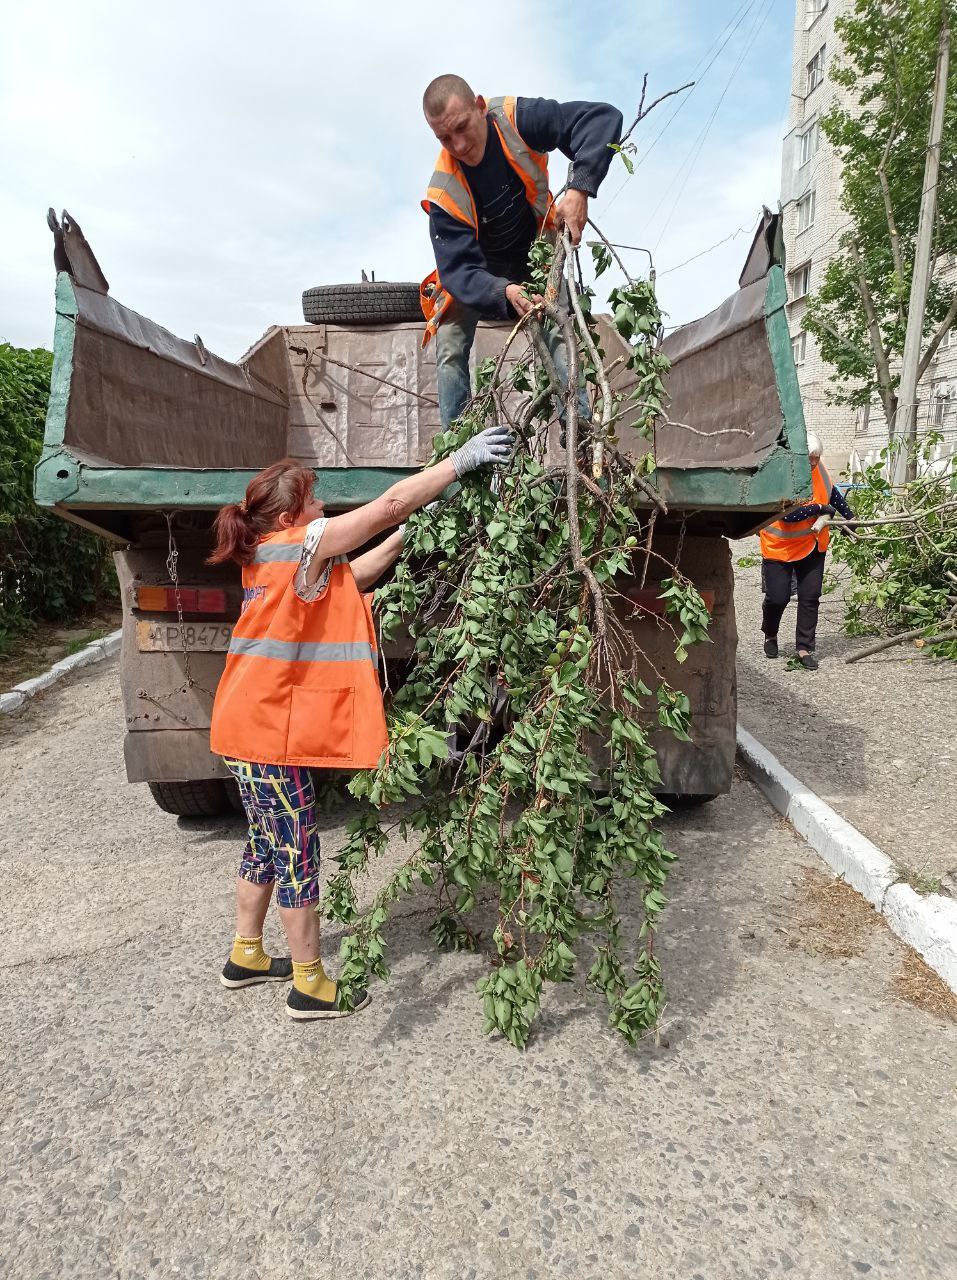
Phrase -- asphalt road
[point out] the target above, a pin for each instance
(795, 1121)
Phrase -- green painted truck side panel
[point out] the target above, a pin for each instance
(63, 335)
(61, 480)
(788, 470)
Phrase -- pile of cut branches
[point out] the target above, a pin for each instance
(519, 743)
(902, 555)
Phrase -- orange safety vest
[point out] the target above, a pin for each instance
(301, 683)
(789, 542)
(449, 189)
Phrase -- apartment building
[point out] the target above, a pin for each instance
(813, 222)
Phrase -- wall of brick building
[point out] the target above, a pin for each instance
(849, 436)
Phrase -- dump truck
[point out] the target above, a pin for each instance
(148, 434)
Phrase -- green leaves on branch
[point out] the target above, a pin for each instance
(626, 151)
(510, 998)
(540, 259)
(601, 258)
(683, 602)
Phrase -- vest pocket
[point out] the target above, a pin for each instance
(322, 723)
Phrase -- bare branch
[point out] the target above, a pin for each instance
(912, 518)
(612, 250)
(644, 111)
(721, 431)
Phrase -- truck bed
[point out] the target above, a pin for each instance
(141, 420)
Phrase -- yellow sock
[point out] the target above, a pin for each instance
(249, 953)
(311, 980)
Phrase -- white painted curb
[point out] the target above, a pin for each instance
(95, 651)
(926, 923)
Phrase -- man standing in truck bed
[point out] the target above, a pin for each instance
(487, 201)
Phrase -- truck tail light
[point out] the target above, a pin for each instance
(192, 599)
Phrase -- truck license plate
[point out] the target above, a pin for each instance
(165, 637)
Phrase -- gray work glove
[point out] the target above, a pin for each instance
(820, 523)
(494, 444)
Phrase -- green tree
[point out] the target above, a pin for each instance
(49, 569)
(859, 314)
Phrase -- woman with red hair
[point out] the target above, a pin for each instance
(301, 691)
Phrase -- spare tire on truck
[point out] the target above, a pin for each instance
(372, 302)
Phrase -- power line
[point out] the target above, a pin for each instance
(733, 236)
(698, 146)
(730, 28)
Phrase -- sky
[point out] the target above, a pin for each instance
(223, 155)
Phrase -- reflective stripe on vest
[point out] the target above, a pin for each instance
(449, 189)
(300, 684)
(303, 651)
(531, 166)
(794, 541)
(267, 553)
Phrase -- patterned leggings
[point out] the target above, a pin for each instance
(283, 845)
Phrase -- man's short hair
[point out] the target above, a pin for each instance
(443, 88)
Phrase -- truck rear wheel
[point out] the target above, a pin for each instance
(684, 802)
(202, 798)
(373, 302)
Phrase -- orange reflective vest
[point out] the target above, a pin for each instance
(780, 541)
(301, 683)
(449, 189)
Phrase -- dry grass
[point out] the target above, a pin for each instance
(833, 919)
(917, 984)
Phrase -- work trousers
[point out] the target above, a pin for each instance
(453, 346)
(776, 577)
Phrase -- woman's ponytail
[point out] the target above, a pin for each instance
(235, 538)
(282, 489)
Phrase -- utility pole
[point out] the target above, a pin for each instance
(905, 467)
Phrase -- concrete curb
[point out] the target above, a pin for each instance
(95, 651)
(926, 923)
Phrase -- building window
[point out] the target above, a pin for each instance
(799, 347)
(808, 143)
(805, 212)
(800, 282)
(941, 407)
(815, 71)
(863, 419)
(814, 10)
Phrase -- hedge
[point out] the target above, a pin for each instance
(50, 570)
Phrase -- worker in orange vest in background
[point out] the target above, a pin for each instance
(795, 547)
(488, 200)
(301, 690)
